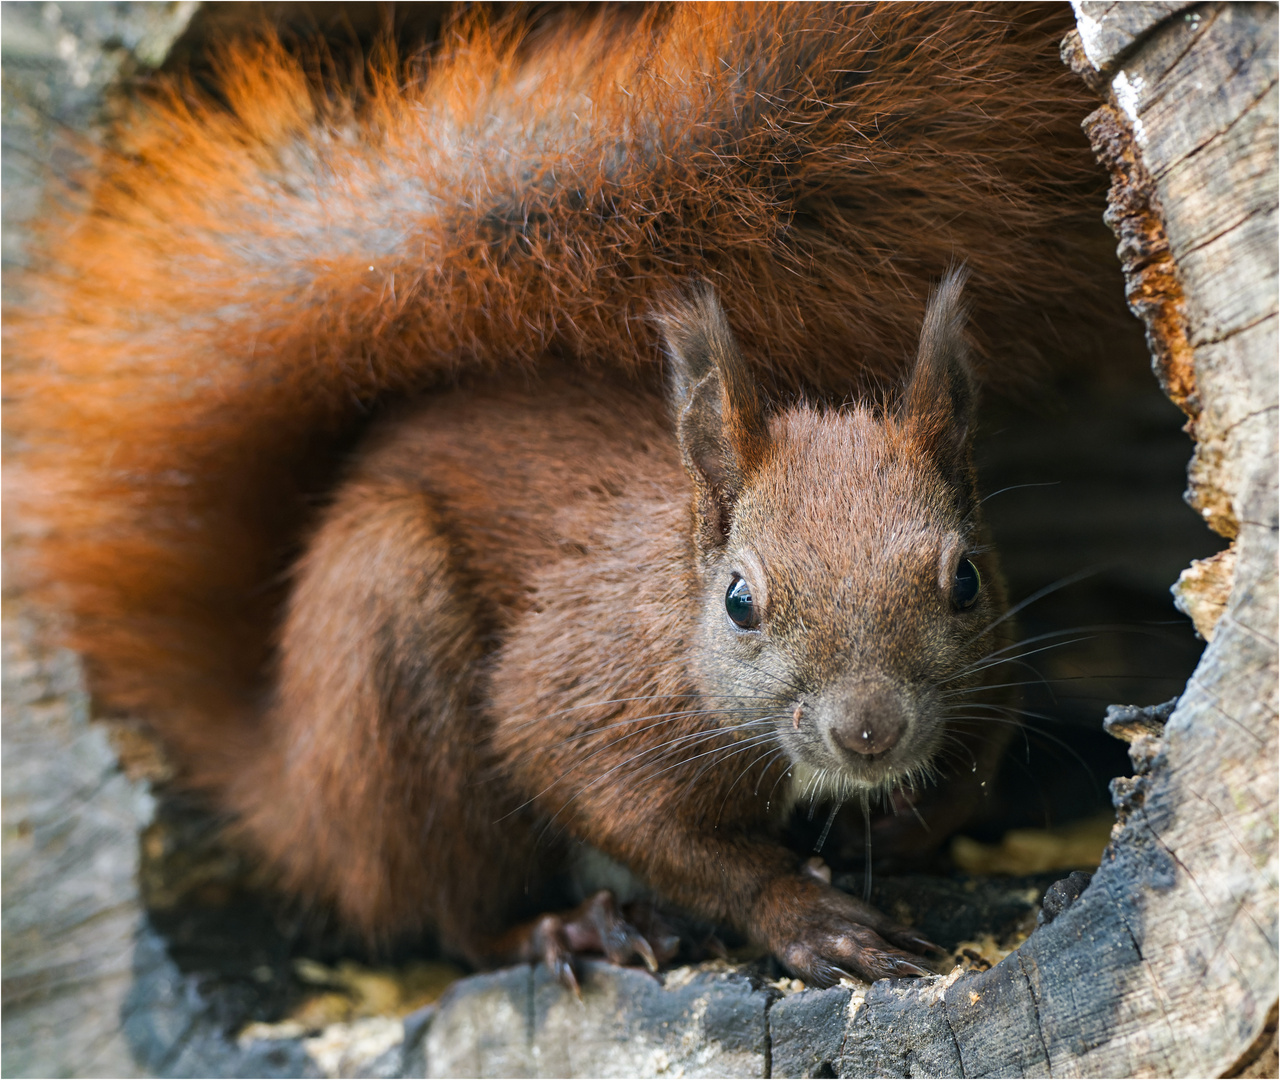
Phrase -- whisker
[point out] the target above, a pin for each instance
(866, 854)
(729, 751)
(1017, 487)
(1022, 729)
(790, 684)
(1029, 731)
(1047, 680)
(979, 666)
(769, 798)
(1061, 583)
(625, 701)
(661, 719)
(781, 752)
(635, 760)
(701, 733)
(741, 746)
(1093, 628)
(1046, 636)
(693, 737)
(768, 757)
(826, 829)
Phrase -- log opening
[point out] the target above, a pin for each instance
(1179, 916)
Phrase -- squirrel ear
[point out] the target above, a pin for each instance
(939, 400)
(720, 423)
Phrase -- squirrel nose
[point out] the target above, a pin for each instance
(874, 720)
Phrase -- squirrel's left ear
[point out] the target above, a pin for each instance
(720, 421)
(939, 400)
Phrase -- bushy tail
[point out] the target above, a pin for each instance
(253, 276)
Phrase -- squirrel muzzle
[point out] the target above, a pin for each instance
(867, 721)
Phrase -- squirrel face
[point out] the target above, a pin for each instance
(849, 595)
(845, 592)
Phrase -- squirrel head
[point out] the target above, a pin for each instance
(844, 584)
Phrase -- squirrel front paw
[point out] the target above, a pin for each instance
(595, 926)
(822, 935)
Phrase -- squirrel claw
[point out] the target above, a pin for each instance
(595, 926)
(562, 969)
(646, 954)
(868, 965)
(549, 937)
(598, 926)
(912, 941)
(918, 943)
(566, 978)
(830, 936)
(902, 967)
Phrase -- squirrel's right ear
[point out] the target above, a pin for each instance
(939, 401)
(720, 421)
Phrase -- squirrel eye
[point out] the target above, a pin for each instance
(964, 590)
(739, 605)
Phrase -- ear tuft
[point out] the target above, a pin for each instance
(939, 400)
(694, 330)
(940, 396)
(699, 343)
(720, 422)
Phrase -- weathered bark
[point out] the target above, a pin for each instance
(1190, 136)
(71, 816)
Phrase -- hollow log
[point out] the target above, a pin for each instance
(1165, 965)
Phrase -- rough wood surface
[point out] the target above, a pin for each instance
(1109, 28)
(1198, 100)
(70, 861)
(1166, 966)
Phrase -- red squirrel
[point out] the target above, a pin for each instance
(535, 610)
(251, 275)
